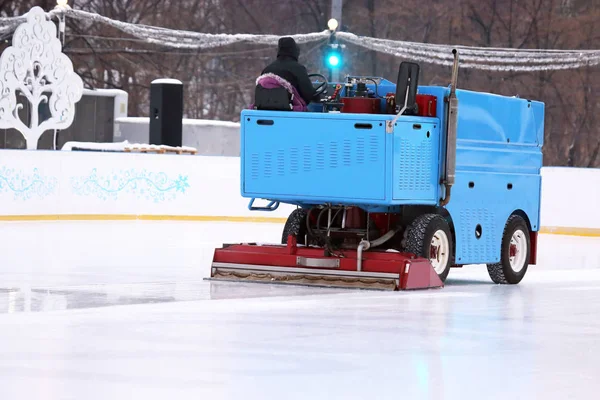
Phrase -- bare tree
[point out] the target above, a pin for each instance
(219, 82)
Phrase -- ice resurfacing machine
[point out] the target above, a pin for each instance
(394, 185)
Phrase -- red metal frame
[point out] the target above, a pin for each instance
(413, 272)
(533, 238)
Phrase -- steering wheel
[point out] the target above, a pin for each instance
(323, 86)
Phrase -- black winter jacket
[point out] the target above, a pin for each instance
(288, 67)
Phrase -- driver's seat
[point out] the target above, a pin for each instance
(274, 99)
(272, 92)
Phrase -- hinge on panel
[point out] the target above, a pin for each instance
(389, 126)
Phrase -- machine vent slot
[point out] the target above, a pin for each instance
(268, 170)
(333, 154)
(373, 148)
(254, 166)
(347, 155)
(294, 160)
(307, 158)
(363, 126)
(360, 150)
(320, 156)
(280, 162)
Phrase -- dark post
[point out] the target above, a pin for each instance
(166, 112)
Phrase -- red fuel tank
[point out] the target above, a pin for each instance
(427, 105)
(360, 105)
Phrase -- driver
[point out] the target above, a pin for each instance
(286, 70)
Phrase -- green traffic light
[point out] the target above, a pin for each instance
(333, 60)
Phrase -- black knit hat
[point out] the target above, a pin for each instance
(287, 47)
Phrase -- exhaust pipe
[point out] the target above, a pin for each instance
(451, 128)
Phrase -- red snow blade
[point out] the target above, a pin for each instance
(301, 265)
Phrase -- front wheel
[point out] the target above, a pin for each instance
(429, 237)
(515, 253)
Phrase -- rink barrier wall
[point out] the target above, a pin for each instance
(43, 185)
(93, 186)
(550, 230)
(122, 217)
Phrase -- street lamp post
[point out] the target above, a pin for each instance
(336, 15)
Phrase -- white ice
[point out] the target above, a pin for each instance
(124, 313)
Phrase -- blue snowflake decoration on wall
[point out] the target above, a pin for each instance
(143, 184)
(26, 185)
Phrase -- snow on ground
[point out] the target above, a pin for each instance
(124, 313)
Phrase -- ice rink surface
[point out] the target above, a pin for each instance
(124, 313)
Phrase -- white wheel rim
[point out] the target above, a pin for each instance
(439, 251)
(517, 250)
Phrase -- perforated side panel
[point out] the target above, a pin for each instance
(474, 248)
(416, 164)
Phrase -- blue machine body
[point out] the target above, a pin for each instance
(316, 157)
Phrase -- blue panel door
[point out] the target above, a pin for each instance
(304, 157)
(415, 161)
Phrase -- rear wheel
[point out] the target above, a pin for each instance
(515, 253)
(429, 236)
(296, 226)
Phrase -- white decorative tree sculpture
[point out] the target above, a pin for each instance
(35, 66)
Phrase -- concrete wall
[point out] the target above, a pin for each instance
(211, 138)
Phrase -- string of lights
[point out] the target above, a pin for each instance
(480, 57)
(186, 39)
(484, 58)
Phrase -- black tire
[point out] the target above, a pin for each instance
(503, 272)
(295, 225)
(418, 239)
